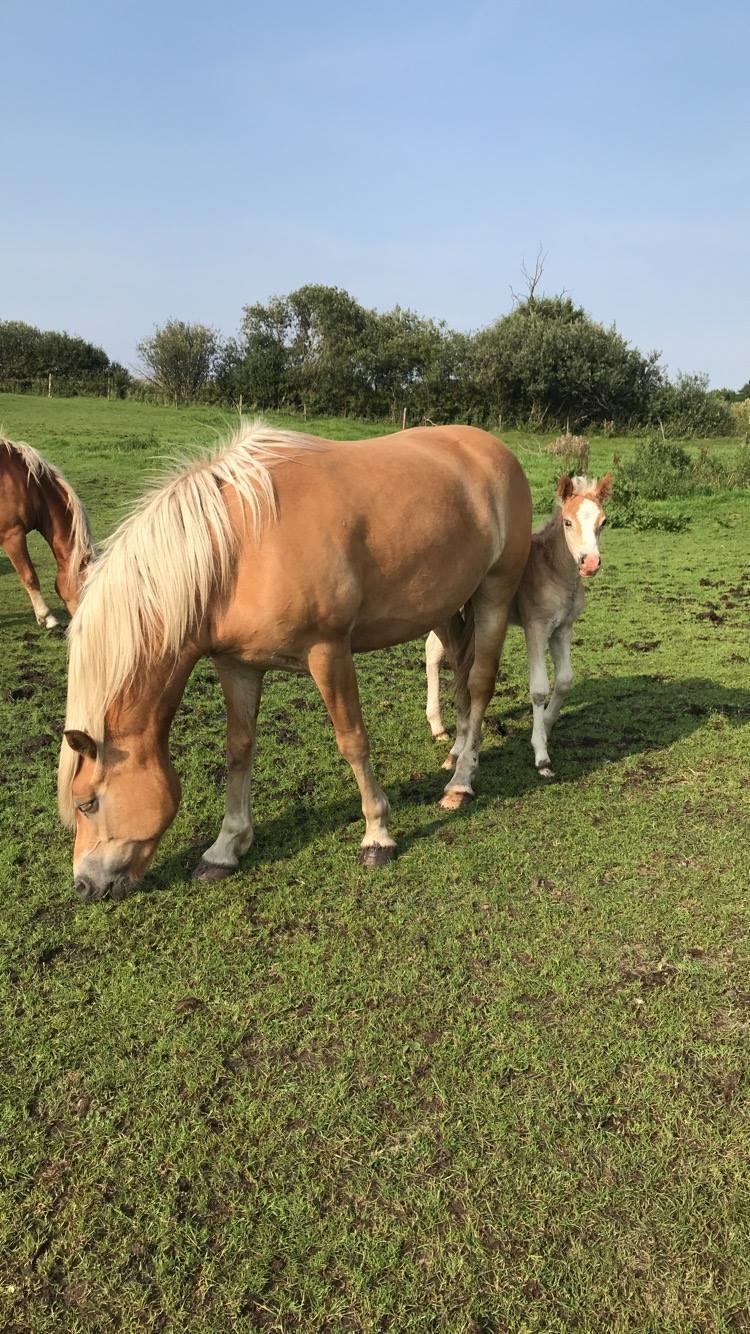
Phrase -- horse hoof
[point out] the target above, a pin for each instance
(449, 762)
(453, 800)
(376, 854)
(441, 736)
(544, 771)
(208, 871)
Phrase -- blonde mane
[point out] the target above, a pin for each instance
(40, 470)
(160, 570)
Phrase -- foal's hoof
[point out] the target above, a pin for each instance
(453, 800)
(212, 871)
(449, 762)
(544, 771)
(376, 854)
(441, 736)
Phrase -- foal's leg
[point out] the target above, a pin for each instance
(453, 637)
(536, 648)
(560, 644)
(242, 687)
(491, 614)
(17, 551)
(434, 654)
(332, 669)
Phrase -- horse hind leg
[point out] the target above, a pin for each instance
(491, 610)
(458, 638)
(332, 669)
(17, 551)
(242, 686)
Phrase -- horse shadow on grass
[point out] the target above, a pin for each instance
(606, 719)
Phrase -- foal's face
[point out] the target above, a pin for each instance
(583, 518)
(123, 805)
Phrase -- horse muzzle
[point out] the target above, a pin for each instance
(93, 891)
(589, 565)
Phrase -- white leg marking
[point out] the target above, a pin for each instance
(434, 654)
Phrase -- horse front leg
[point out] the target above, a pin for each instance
(560, 644)
(434, 653)
(536, 647)
(242, 687)
(332, 669)
(17, 552)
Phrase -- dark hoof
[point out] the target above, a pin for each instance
(453, 801)
(376, 855)
(211, 871)
(57, 631)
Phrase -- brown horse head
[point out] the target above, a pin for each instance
(124, 795)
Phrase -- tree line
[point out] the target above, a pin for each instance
(546, 364)
(30, 356)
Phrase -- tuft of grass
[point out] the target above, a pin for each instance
(501, 1084)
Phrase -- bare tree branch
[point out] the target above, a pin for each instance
(532, 279)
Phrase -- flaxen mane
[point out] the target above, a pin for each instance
(41, 471)
(158, 573)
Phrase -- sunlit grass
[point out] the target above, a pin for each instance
(499, 1085)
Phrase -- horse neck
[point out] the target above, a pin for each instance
(143, 719)
(557, 552)
(54, 520)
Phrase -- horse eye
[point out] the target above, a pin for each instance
(603, 524)
(88, 807)
(568, 523)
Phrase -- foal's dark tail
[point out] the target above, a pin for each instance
(461, 653)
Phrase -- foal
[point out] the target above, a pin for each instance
(549, 601)
(35, 496)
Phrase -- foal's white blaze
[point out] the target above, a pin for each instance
(585, 545)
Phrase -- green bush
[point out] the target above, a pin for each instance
(639, 517)
(658, 469)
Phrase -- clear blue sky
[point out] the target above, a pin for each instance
(184, 159)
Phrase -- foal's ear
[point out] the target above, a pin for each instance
(604, 489)
(81, 742)
(565, 486)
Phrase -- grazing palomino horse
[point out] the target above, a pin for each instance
(549, 600)
(34, 495)
(281, 551)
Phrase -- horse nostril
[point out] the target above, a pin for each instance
(84, 888)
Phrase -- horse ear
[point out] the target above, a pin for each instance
(604, 489)
(565, 486)
(81, 742)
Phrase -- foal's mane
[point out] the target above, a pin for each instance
(45, 474)
(159, 571)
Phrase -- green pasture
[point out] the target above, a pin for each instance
(499, 1085)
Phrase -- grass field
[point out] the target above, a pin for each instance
(501, 1084)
